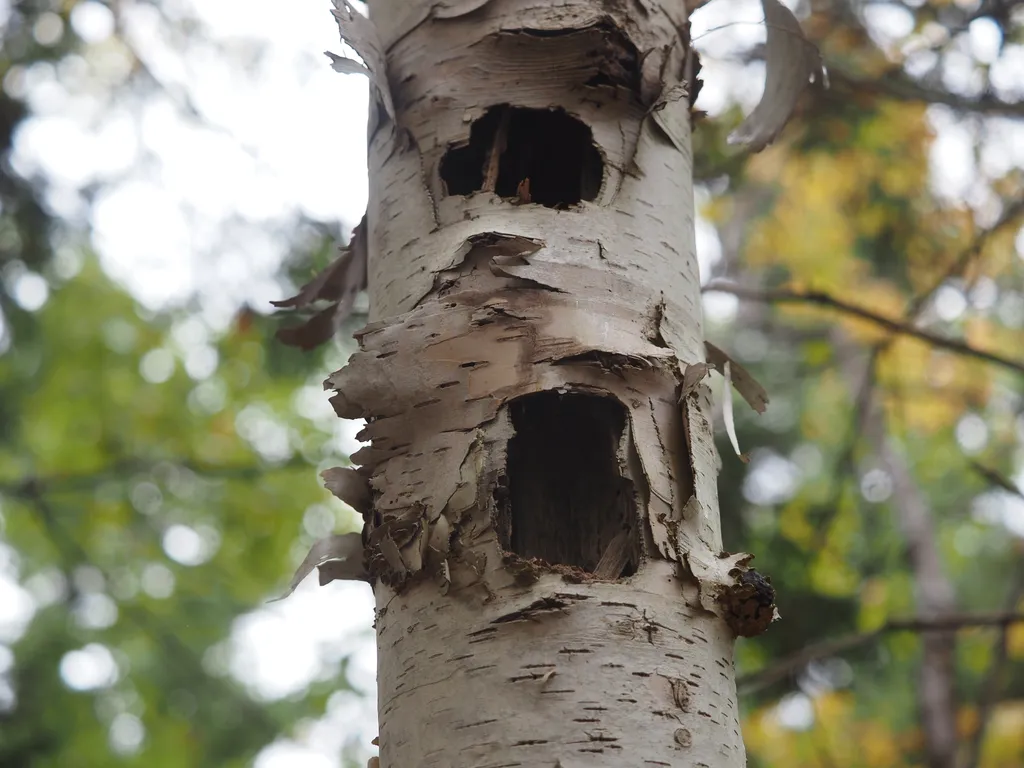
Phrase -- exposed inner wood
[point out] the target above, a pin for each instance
(567, 499)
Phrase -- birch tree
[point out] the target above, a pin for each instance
(539, 485)
(879, 302)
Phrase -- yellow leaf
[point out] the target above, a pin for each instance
(877, 745)
(1015, 641)
(873, 604)
(793, 524)
(831, 575)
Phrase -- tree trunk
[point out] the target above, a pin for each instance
(544, 536)
(933, 590)
(935, 598)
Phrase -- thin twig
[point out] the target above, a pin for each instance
(797, 661)
(1010, 214)
(997, 479)
(791, 296)
(900, 87)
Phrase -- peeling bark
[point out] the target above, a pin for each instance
(543, 535)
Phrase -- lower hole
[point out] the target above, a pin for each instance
(564, 500)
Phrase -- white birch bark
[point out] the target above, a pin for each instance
(618, 653)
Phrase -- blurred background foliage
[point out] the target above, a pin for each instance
(159, 450)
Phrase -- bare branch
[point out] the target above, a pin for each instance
(997, 479)
(797, 661)
(898, 86)
(790, 296)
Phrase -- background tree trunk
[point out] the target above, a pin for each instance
(544, 538)
(935, 599)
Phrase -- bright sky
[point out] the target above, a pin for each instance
(206, 204)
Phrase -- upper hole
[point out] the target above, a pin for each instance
(543, 156)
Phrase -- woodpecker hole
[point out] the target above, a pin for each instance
(564, 500)
(543, 156)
